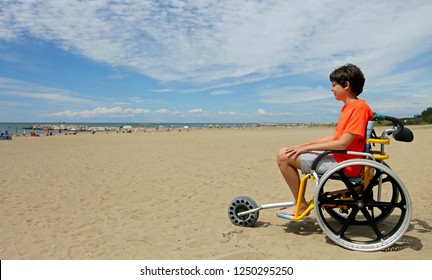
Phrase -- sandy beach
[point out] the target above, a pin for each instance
(164, 195)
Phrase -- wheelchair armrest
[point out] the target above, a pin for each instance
(323, 154)
(344, 152)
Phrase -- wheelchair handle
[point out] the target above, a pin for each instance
(400, 132)
(396, 122)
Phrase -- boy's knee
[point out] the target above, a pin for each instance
(281, 158)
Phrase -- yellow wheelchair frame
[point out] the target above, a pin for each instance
(366, 213)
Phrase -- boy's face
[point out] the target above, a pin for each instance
(339, 92)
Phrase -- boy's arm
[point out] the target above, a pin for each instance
(322, 140)
(340, 144)
(307, 144)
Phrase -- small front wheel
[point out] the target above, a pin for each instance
(241, 204)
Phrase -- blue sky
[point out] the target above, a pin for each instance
(208, 61)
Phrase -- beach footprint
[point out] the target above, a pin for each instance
(231, 234)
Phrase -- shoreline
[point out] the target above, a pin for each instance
(53, 129)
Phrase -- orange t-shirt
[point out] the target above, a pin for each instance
(353, 119)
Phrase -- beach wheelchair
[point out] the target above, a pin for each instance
(366, 213)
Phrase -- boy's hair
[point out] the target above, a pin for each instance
(349, 73)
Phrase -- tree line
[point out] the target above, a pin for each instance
(424, 117)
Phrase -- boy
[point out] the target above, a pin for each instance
(347, 83)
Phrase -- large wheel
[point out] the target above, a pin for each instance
(370, 215)
(341, 212)
(241, 204)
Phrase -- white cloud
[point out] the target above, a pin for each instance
(118, 113)
(13, 104)
(164, 90)
(162, 111)
(137, 100)
(238, 114)
(209, 42)
(220, 92)
(25, 90)
(262, 112)
(196, 111)
(101, 111)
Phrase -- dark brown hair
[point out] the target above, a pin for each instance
(349, 73)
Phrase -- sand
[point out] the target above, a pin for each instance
(164, 195)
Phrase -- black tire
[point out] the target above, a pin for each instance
(241, 204)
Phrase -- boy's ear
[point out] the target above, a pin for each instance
(347, 84)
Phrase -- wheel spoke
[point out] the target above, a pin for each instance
(347, 222)
(382, 204)
(372, 223)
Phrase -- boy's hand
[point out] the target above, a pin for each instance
(293, 151)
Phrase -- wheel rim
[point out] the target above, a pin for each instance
(368, 223)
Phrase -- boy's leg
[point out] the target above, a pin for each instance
(288, 167)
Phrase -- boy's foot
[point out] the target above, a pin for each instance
(290, 211)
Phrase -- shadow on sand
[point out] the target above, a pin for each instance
(309, 226)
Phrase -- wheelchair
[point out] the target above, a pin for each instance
(366, 213)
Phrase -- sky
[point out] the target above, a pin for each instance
(209, 61)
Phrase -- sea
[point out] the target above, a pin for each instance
(17, 128)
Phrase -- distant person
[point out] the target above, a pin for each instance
(347, 84)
